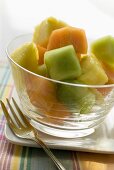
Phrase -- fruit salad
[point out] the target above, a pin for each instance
(59, 52)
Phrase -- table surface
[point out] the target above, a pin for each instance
(14, 157)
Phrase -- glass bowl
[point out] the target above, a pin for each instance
(51, 105)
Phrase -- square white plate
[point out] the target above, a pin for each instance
(101, 141)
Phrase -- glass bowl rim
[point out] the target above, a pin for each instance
(46, 78)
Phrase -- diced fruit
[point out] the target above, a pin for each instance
(40, 89)
(92, 71)
(103, 49)
(59, 51)
(110, 73)
(98, 96)
(68, 36)
(41, 51)
(62, 63)
(27, 57)
(75, 97)
(42, 70)
(105, 91)
(42, 94)
(43, 31)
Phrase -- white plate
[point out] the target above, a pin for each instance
(101, 141)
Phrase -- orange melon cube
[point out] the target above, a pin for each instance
(43, 31)
(68, 36)
(41, 51)
(42, 95)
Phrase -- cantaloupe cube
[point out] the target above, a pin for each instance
(42, 95)
(43, 30)
(69, 36)
(41, 51)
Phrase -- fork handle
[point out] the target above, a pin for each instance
(48, 151)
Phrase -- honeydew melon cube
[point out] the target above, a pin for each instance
(103, 49)
(42, 70)
(92, 71)
(62, 63)
(76, 98)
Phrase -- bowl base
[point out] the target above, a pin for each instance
(63, 133)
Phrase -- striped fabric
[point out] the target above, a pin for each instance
(14, 157)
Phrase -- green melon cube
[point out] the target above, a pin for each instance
(42, 70)
(103, 49)
(92, 71)
(79, 99)
(62, 63)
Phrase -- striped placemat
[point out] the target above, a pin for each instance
(14, 157)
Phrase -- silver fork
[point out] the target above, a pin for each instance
(26, 131)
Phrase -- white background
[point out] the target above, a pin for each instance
(21, 16)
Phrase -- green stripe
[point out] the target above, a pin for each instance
(65, 158)
(23, 156)
(5, 80)
(29, 158)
